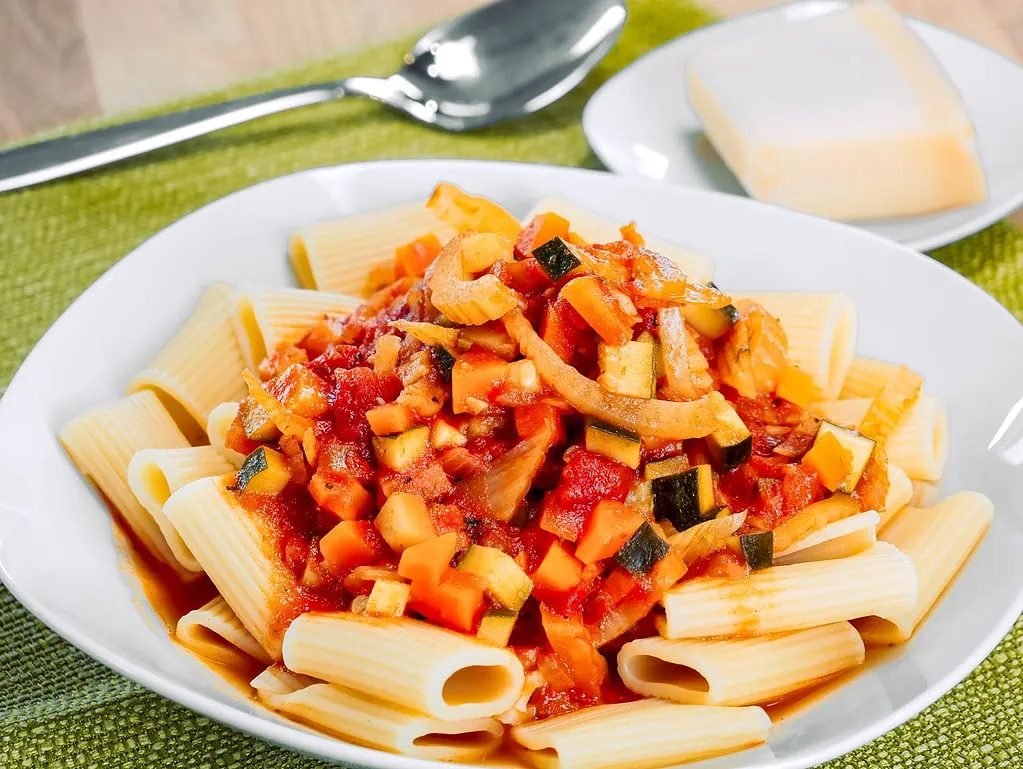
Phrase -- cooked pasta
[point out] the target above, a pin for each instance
(744, 671)
(103, 441)
(793, 597)
(155, 474)
(215, 633)
(433, 516)
(918, 446)
(821, 331)
(217, 425)
(338, 255)
(368, 721)
(198, 368)
(272, 318)
(231, 547)
(636, 735)
(409, 663)
(937, 541)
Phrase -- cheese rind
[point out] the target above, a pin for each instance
(847, 116)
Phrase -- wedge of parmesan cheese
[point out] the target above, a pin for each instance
(846, 115)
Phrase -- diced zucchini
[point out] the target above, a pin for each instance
(709, 322)
(399, 451)
(444, 361)
(506, 582)
(613, 442)
(628, 369)
(665, 467)
(404, 521)
(686, 498)
(731, 444)
(496, 626)
(556, 258)
(256, 422)
(644, 548)
(860, 447)
(264, 471)
(758, 549)
(388, 598)
(647, 337)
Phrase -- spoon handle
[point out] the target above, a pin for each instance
(55, 158)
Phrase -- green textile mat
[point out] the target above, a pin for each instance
(58, 708)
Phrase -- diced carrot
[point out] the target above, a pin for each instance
(618, 584)
(390, 418)
(559, 570)
(577, 240)
(300, 391)
(608, 528)
(476, 375)
(539, 417)
(795, 386)
(600, 309)
(541, 228)
(341, 495)
(830, 459)
(630, 235)
(427, 561)
(351, 544)
(413, 258)
(455, 600)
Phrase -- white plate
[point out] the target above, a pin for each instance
(639, 123)
(57, 552)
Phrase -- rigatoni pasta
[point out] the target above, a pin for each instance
(738, 671)
(937, 541)
(432, 517)
(648, 733)
(410, 663)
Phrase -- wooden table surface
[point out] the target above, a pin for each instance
(61, 60)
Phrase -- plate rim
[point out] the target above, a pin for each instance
(337, 749)
(989, 215)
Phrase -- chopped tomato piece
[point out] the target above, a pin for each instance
(337, 459)
(559, 570)
(351, 544)
(427, 561)
(300, 391)
(413, 258)
(455, 600)
(525, 276)
(356, 391)
(563, 329)
(589, 477)
(608, 528)
(539, 417)
(341, 495)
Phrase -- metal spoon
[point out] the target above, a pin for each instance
(496, 63)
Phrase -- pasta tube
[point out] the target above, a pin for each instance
(199, 367)
(272, 318)
(744, 671)
(214, 631)
(793, 597)
(839, 539)
(155, 474)
(102, 442)
(232, 548)
(821, 329)
(216, 428)
(366, 721)
(443, 674)
(938, 541)
(900, 490)
(637, 735)
(338, 254)
(866, 377)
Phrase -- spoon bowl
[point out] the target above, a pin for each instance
(497, 63)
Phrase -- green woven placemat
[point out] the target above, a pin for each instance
(58, 708)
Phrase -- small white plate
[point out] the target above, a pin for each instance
(640, 124)
(57, 550)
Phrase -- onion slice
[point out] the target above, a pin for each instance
(468, 302)
(645, 416)
(685, 366)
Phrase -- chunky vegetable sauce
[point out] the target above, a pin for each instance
(531, 438)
